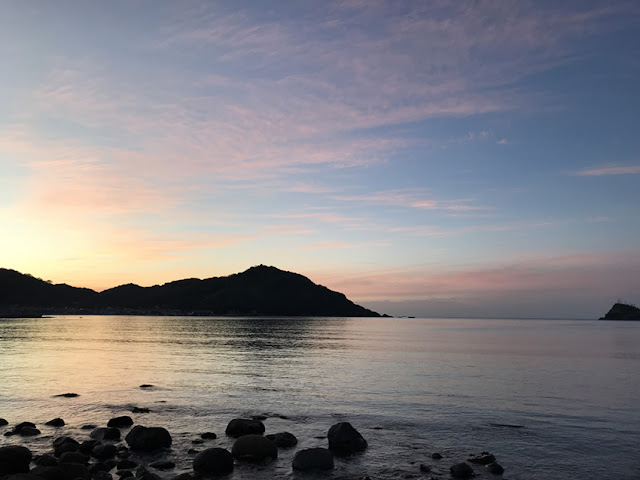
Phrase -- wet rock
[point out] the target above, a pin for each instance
(124, 474)
(67, 395)
(75, 471)
(56, 422)
(213, 461)
(192, 451)
(146, 385)
(29, 432)
(98, 467)
(88, 427)
(126, 464)
(144, 474)
(461, 470)
(163, 465)
(64, 444)
(345, 440)
(14, 459)
(254, 448)
(425, 468)
(102, 433)
(208, 436)
(197, 441)
(140, 410)
(148, 438)
(3, 422)
(484, 458)
(48, 472)
(283, 439)
(242, 426)
(495, 468)
(101, 476)
(87, 446)
(120, 422)
(19, 427)
(104, 451)
(259, 417)
(24, 476)
(111, 463)
(313, 459)
(436, 456)
(73, 457)
(45, 460)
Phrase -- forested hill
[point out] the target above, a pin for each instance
(260, 290)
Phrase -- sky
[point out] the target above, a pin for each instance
(441, 158)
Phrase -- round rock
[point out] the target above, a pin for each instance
(254, 448)
(14, 459)
(495, 468)
(283, 439)
(120, 422)
(213, 461)
(345, 440)
(56, 422)
(313, 459)
(148, 438)
(110, 433)
(242, 426)
(461, 470)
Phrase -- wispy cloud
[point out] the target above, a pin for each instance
(609, 170)
(413, 198)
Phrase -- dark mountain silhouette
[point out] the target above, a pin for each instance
(260, 290)
(622, 311)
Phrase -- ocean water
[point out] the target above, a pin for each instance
(410, 386)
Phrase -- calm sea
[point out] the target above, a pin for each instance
(410, 386)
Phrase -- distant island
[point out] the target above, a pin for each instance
(260, 290)
(622, 311)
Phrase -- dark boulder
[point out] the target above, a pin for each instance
(88, 426)
(87, 446)
(495, 468)
(126, 464)
(56, 422)
(283, 439)
(122, 474)
(49, 472)
(101, 476)
(461, 470)
(73, 457)
(425, 468)
(45, 460)
(75, 471)
(24, 476)
(103, 451)
(484, 458)
(146, 385)
(208, 436)
(22, 425)
(3, 422)
(29, 432)
(14, 459)
(67, 395)
(110, 433)
(110, 463)
(242, 426)
(213, 461)
(436, 456)
(183, 476)
(254, 448)
(148, 438)
(98, 467)
(120, 422)
(64, 444)
(313, 459)
(140, 410)
(345, 440)
(163, 465)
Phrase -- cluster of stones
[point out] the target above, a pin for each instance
(93, 459)
(464, 470)
(96, 457)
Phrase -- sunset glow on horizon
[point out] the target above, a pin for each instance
(423, 158)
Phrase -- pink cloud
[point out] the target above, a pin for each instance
(610, 170)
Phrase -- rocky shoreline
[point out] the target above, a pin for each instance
(121, 450)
